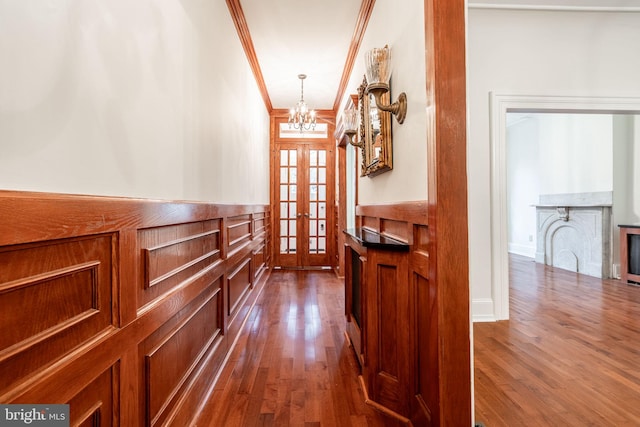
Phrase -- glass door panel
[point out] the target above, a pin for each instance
(288, 201)
(317, 201)
(304, 197)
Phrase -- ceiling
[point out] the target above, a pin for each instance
(301, 37)
(284, 38)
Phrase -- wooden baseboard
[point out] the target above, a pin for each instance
(380, 407)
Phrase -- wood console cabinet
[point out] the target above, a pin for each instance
(630, 253)
(377, 308)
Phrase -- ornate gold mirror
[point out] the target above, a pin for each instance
(375, 134)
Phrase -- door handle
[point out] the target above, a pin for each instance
(299, 215)
(306, 214)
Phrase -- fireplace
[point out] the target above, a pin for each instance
(574, 232)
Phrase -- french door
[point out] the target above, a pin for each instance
(304, 204)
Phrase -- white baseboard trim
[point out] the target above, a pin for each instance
(482, 310)
(615, 271)
(518, 249)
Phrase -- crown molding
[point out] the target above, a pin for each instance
(237, 15)
(553, 8)
(366, 8)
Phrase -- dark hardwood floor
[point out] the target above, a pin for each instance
(292, 365)
(568, 356)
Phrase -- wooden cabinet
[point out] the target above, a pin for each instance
(630, 253)
(396, 317)
(378, 308)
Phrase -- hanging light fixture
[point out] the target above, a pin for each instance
(300, 117)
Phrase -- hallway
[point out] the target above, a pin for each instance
(291, 365)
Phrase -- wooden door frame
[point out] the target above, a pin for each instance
(280, 116)
(341, 207)
(341, 181)
(445, 34)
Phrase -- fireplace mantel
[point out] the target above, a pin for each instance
(574, 232)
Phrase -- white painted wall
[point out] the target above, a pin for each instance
(633, 214)
(143, 99)
(567, 53)
(401, 26)
(523, 184)
(576, 153)
(626, 176)
(552, 153)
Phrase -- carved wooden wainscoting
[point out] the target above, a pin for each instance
(123, 308)
(394, 328)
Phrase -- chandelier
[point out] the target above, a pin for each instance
(300, 117)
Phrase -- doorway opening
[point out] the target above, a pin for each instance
(303, 197)
(501, 108)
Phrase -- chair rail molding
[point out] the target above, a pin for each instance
(552, 8)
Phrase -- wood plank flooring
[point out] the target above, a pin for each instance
(568, 356)
(292, 365)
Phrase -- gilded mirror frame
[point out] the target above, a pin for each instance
(375, 134)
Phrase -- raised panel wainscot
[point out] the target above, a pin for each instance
(125, 309)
